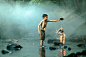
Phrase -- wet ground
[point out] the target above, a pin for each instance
(31, 48)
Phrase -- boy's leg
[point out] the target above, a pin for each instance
(41, 43)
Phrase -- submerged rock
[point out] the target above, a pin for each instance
(68, 48)
(81, 45)
(52, 48)
(5, 52)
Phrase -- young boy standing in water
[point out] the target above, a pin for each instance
(41, 30)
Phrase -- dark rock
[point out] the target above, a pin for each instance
(78, 53)
(81, 45)
(18, 47)
(13, 47)
(65, 47)
(52, 40)
(68, 48)
(5, 52)
(72, 55)
(52, 48)
(83, 52)
(56, 43)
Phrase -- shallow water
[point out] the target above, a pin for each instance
(31, 48)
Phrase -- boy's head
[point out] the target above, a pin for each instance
(45, 16)
(61, 30)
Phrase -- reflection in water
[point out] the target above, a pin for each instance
(42, 52)
(63, 52)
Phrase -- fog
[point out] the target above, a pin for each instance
(19, 20)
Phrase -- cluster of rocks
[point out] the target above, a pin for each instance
(83, 53)
(10, 47)
(60, 47)
(77, 54)
(57, 43)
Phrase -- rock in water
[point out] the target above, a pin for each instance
(52, 40)
(5, 52)
(78, 53)
(72, 55)
(52, 48)
(81, 45)
(56, 43)
(13, 47)
(18, 47)
(83, 52)
(68, 48)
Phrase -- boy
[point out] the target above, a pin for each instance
(41, 30)
(62, 35)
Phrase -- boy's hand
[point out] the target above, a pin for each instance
(59, 19)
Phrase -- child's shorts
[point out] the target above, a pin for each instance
(42, 34)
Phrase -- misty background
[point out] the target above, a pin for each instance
(20, 18)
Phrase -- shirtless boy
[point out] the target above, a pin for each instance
(62, 35)
(43, 24)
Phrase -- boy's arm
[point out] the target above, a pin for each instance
(59, 33)
(53, 20)
(39, 26)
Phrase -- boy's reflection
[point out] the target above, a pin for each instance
(42, 52)
(63, 52)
